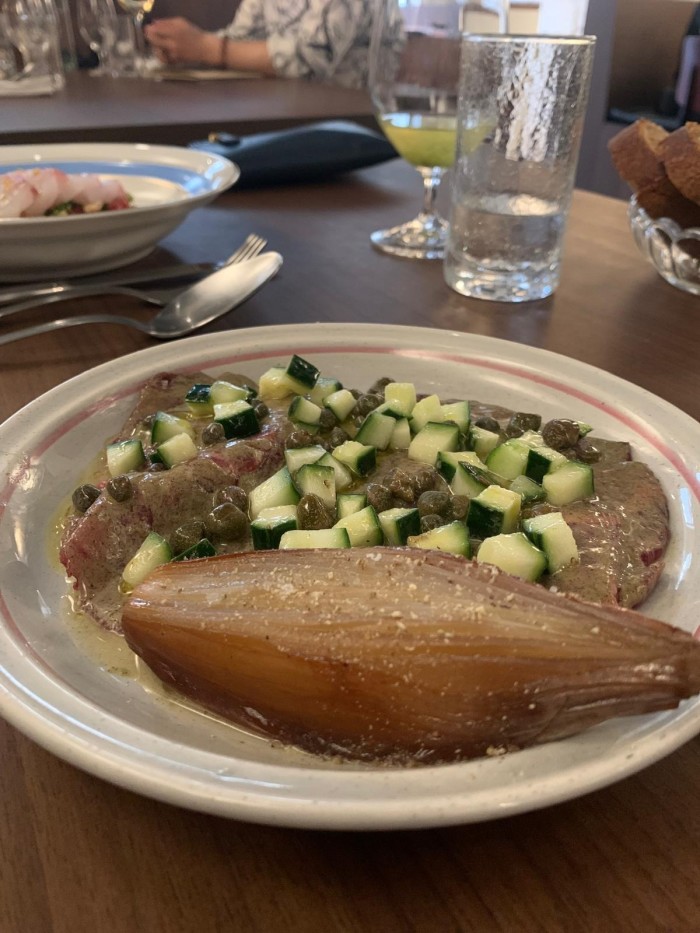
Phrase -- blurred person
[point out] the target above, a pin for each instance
(327, 40)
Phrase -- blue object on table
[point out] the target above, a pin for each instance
(304, 153)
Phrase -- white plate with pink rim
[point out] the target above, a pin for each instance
(65, 687)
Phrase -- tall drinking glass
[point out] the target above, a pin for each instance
(413, 77)
(97, 23)
(32, 27)
(138, 10)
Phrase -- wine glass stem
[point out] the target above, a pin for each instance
(140, 40)
(431, 182)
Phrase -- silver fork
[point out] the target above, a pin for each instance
(251, 246)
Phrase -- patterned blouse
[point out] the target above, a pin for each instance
(323, 39)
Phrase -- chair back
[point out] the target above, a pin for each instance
(687, 90)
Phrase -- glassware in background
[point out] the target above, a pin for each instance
(31, 26)
(66, 36)
(97, 23)
(124, 58)
(138, 10)
(521, 110)
(413, 77)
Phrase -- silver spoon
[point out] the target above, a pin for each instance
(208, 299)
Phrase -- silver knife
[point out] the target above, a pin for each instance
(156, 276)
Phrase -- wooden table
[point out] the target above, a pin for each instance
(97, 109)
(79, 855)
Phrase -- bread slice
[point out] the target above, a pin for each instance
(641, 156)
(635, 152)
(680, 155)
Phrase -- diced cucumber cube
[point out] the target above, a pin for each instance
(527, 488)
(198, 551)
(452, 538)
(494, 511)
(551, 534)
(341, 403)
(277, 489)
(268, 528)
(296, 457)
(482, 442)
(514, 554)
(238, 419)
(542, 460)
(448, 459)
(276, 383)
(571, 481)
(153, 552)
(428, 409)
(177, 449)
(348, 503)
(376, 430)
(400, 397)
(363, 527)
(302, 411)
(401, 435)
(324, 387)
(458, 412)
(321, 538)
(125, 456)
(222, 391)
(431, 440)
(166, 426)
(315, 480)
(343, 477)
(359, 458)
(469, 480)
(509, 459)
(198, 399)
(302, 371)
(398, 525)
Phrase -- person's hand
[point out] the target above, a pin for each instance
(177, 40)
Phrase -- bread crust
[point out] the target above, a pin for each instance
(635, 152)
(680, 154)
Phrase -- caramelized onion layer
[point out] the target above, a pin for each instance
(393, 653)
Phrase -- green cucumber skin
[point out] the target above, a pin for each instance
(198, 551)
(243, 424)
(303, 371)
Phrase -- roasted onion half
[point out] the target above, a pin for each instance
(399, 654)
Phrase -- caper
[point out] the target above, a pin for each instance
(261, 410)
(226, 522)
(560, 433)
(586, 451)
(297, 439)
(84, 496)
(156, 467)
(213, 434)
(488, 424)
(525, 421)
(424, 480)
(337, 437)
(234, 494)
(355, 393)
(367, 403)
(187, 535)
(433, 503)
(377, 388)
(379, 496)
(459, 506)
(120, 488)
(327, 420)
(401, 485)
(312, 514)
(428, 522)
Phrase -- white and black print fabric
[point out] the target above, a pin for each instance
(323, 39)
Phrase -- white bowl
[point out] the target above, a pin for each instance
(166, 183)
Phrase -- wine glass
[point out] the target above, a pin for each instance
(32, 27)
(97, 23)
(138, 10)
(413, 78)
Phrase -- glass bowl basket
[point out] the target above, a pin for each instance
(673, 251)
